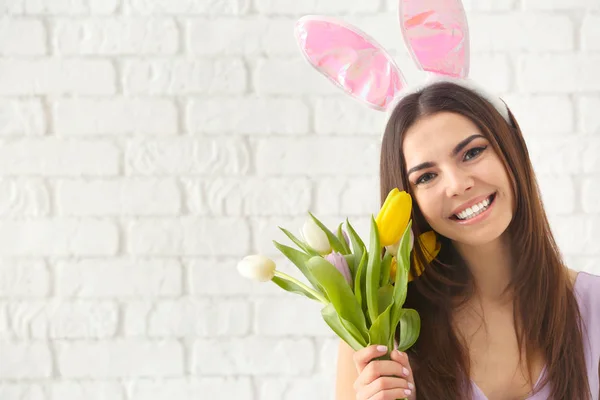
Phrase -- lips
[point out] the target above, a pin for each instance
(478, 200)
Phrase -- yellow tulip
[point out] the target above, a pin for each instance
(431, 248)
(393, 217)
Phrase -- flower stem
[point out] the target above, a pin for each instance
(302, 285)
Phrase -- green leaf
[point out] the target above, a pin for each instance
(373, 273)
(379, 332)
(338, 292)
(292, 287)
(358, 283)
(410, 328)
(303, 246)
(358, 247)
(401, 281)
(342, 239)
(334, 321)
(386, 297)
(386, 266)
(351, 261)
(333, 240)
(300, 259)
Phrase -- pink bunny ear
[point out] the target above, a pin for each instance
(350, 59)
(437, 34)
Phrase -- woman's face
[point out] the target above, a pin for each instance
(457, 179)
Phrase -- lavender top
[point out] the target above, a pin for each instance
(587, 292)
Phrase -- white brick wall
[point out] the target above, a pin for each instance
(147, 145)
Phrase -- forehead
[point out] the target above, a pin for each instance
(435, 136)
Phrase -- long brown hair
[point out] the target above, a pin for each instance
(546, 314)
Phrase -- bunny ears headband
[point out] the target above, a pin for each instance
(435, 32)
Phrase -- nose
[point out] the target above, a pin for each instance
(458, 182)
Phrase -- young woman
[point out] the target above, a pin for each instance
(502, 316)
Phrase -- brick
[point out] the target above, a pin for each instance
(273, 317)
(265, 230)
(23, 198)
(189, 7)
(249, 196)
(22, 37)
(491, 71)
(89, 390)
(590, 32)
(119, 359)
(22, 117)
(60, 7)
(58, 157)
(542, 115)
(529, 32)
(290, 77)
(56, 77)
(58, 237)
(559, 73)
(473, 5)
(290, 7)
(314, 387)
(185, 156)
(590, 196)
(56, 319)
(217, 277)
(22, 391)
(317, 156)
(588, 115)
(189, 236)
(349, 197)
(116, 36)
(590, 148)
(127, 197)
(566, 154)
(25, 360)
(118, 278)
(556, 5)
(253, 36)
(581, 244)
(24, 278)
(115, 116)
(253, 356)
(346, 116)
(192, 389)
(187, 318)
(247, 116)
(563, 204)
(184, 77)
(4, 327)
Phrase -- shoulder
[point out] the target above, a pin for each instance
(587, 291)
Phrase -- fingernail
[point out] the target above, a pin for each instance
(407, 391)
(411, 386)
(406, 371)
(381, 348)
(399, 352)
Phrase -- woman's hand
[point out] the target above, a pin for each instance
(383, 379)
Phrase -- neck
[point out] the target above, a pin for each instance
(490, 266)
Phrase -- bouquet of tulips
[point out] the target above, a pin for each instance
(362, 289)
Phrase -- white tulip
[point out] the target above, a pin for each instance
(315, 237)
(257, 267)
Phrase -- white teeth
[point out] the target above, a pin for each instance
(474, 210)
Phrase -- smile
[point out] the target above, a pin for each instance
(476, 212)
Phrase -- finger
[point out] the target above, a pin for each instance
(383, 384)
(364, 356)
(391, 394)
(379, 368)
(402, 359)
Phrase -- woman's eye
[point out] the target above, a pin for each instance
(474, 152)
(424, 178)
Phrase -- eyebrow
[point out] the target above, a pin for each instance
(461, 145)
